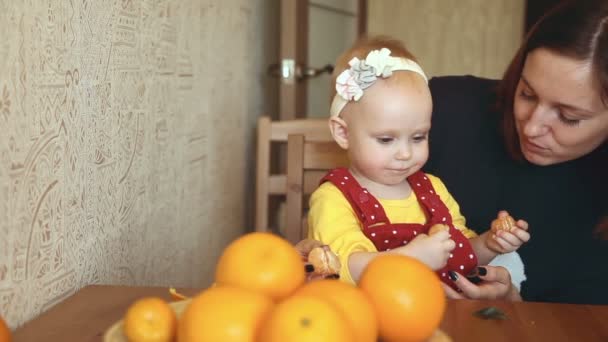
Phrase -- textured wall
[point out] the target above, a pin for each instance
(125, 130)
(454, 37)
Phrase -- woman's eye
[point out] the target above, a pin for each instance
(527, 95)
(567, 121)
(384, 140)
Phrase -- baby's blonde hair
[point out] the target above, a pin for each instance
(362, 48)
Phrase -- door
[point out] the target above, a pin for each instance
(312, 35)
(456, 37)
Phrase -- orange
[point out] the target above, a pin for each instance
(407, 295)
(223, 313)
(150, 320)
(305, 318)
(261, 262)
(352, 302)
(5, 332)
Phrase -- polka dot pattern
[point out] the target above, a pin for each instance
(386, 235)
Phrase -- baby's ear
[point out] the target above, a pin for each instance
(339, 131)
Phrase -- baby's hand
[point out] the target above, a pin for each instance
(506, 234)
(433, 250)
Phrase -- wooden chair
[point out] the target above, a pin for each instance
(272, 135)
(308, 160)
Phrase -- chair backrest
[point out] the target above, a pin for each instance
(308, 160)
(272, 134)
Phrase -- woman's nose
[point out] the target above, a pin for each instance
(537, 122)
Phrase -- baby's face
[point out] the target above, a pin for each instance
(388, 128)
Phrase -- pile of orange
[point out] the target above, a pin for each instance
(260, 295)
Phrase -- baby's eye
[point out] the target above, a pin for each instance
(419, 138)
(384, 140)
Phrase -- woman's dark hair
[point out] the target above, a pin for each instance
(576, 29)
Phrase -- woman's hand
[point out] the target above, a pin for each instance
(494, 283)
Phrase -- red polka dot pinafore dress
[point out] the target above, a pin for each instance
(386, 235)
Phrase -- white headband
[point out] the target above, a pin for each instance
(363, 73)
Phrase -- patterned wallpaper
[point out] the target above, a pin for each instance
(125, 141)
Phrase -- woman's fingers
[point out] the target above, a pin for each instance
(494, 273)
(496, 283)
(451, 293)
(468, 289)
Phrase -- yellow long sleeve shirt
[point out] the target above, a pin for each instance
(333, 221)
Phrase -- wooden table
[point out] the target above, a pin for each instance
(88, 313)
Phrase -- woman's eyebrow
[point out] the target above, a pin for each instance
(579, 111)
(523, 79)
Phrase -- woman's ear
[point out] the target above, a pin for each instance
(339, 131)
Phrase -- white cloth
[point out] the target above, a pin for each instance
(513, 263)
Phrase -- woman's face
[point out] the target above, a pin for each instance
(559, 114)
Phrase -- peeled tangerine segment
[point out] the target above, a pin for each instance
(506, 223)
(436, 228)
(324, 261)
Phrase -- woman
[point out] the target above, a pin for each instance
(535, 144)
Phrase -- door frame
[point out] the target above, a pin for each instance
(293, 46)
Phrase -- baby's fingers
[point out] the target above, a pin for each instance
(500, 245)
(515, 237)
(502, 213)
(521, 234)
(440, 236)
(510, 238)
(448, 245)
(522, 224)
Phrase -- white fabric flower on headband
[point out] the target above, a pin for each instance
(382, 62)
(351, 83)
(363, 73)
(348, 87)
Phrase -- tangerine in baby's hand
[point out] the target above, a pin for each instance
(324, 261)
(506, 223)
(436, 228)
